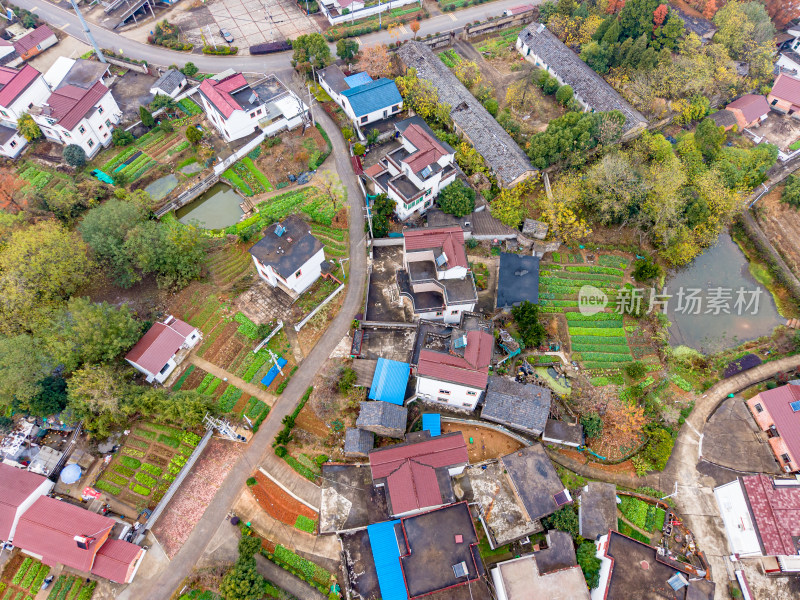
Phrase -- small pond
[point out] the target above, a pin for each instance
(159, 188)
(216, 208)
(721, 266)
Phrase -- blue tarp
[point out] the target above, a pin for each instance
(390, 381)
(386, 556)
(432, 422)
(273, 372)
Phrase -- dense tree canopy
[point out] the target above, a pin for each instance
(310, 50)
(457, 199)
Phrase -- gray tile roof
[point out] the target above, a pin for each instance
(382, 414)
(598, 509)
(588, 85)
(535, 480)
(723, 118)
(520, 406)
(334, 78)
(289, 251)
(170, 81)
(562, 431)
(358, 441)
(698, 25)
(501, 153)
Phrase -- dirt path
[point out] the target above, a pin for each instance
(232, 379)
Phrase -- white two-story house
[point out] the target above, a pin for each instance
(289, 257)
(435, 276)
(20, 89)
(363, 100)
(77, 115)
(414, 174)
(238, 109)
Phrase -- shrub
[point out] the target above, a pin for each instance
(564, 94)
(347, 380)
(791, 192)
(359, 149)
(636, 370)
(280, 451)
(220, 50)
(592, 425)
(589, 564)
(193, 135)
(251, 481)
(564, 519)
(658, 448)
(74, 156)
(645, 270)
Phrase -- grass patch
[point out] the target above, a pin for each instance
(303, 523)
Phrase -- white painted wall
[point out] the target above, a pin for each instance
(243, 123)
(43, 489)
(96, 128)
(739, 527)
(36, 92)
(384, 113)
(460, 396)
(300, 280)
(357, 10)
(14, 146)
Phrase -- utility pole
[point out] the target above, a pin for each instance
(89, 35)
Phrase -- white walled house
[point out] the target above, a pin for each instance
(373, 101)
(435, 276)
(169, 84)
(20, 488)
(74, 115)
(11, 141)
(163, 348)
(20, 89)
(414, 174)
(289, 257)
(238, 109)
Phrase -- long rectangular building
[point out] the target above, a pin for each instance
(502, 154)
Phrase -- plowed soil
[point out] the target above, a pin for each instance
(781, 224)
(277, 503)
(486, 443)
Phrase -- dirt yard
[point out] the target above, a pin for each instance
(486, 443)
(291, 155)
(781, 224)
(277, 503)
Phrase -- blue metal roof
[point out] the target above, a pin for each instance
(373, 96)
(432, 422)
(357, 79)
(390, 381)
(386, 556)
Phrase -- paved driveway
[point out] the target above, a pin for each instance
(257, 21)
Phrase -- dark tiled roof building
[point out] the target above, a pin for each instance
(358, 442)
(519, 406)
(383, 418)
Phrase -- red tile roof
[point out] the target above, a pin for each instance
(429, 150)
(159, 344)
(449, 239)
(219, 93)
(752, 106)
(787, 88)
(471, 370)
(116, 560)
(15, 81)
(777, 514)
(70, 104)
(787, 422)
(410, 473)
(33, 39)
(48, 527)
(17, 486)
(375, 170)
(181, 327)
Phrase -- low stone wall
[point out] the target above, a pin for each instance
(487, 27)
(127, 65)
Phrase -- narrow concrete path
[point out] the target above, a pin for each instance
(240, 383)
(287, 581)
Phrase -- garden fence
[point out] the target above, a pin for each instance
(310, 315)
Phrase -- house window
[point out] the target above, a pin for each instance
(759, 408)
(164, 369)
(785, 458)
(82, 130)
(395, 108)
(13, 144)
(445, 392)
(443, 400)
(108, 123)
(66, 134)
(99, 110)
(299, 272)
(100, 128)
(472, 393)
(467, 404)
(4, 113)
(258, 112)
(90, 143)
(363, 119)
(252, 115)
(453, 312)
(105, 135)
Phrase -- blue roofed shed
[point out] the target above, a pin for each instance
(390, 381)
(432, 422)
(373, 97)
(386, 556)
(357, 79)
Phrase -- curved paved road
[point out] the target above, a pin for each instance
(58, 16)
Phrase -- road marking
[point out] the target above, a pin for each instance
(64, 26)
(34, 9)
(403, 29)
(452, 17)
(358, 41)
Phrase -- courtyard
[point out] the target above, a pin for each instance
(258, 21)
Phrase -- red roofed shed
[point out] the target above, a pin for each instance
(38, 40)
(449, 240)
(117, 560)
(154, 354)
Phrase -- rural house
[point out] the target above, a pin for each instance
(518, 280)
(762, 519)
(383, 418)
(21, 489)
(78, 72)
(520, 579)
(524, 407)
(62, 533)
(777, 412)
(239, 109)
(535, 481)
(35, 42)
(597, 509)
(19, 90)
(539, 46)
(163, 348)
(414, 174)
(289, 257)
(363, 100)
(169, 84)
(435, 276)
(749, 110)
(358, 442)
(502, 154)
(417, 474)
(785, 95)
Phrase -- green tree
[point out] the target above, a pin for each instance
(658, 448)
(636, 370)
(457, 199)
(147, 117)
(359, 149)
(51, 399)
(310, 50)
(40, 267)
(346, 49)
(564, 519)
(564, 94)
(592, 425)
(194, 135)
(791, 192)
(709, 139)
(248, 546)
(530, 328)
(242, 582)
(645, 270)
(74, 156)
(105, 229)
(589, 563)
(382, 210)
(636, 17)
(507, 206)
(372, 136)
(86, 332)
(66, 202)
(189, 69)
(173, 254)
(122, 137)
(23, 368)
(670, 33)
(347, 379)
(28, 127)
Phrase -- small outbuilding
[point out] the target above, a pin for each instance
(561, 432)
(389, 381)
(163, 348)
(597, 509)
(169, 84)
(383, 418)
(518, 280)
(523, 407)
(358, 442)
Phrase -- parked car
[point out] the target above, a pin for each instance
(226, 35)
